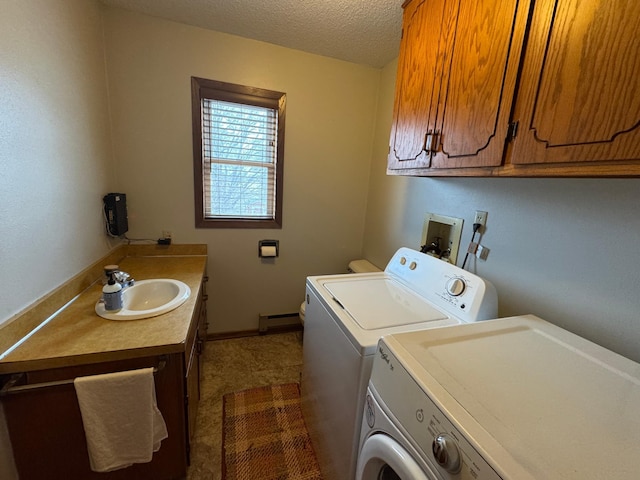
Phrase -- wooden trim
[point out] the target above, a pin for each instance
(173, 250)
(237, 223)
(212, 337)
(564, 170)
(204, 88)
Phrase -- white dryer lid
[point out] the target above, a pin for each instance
(530, 392)
(379, 302)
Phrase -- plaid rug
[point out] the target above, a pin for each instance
(264, 436)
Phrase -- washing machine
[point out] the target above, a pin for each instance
(385, 453)
(345, 317)
(508, 399)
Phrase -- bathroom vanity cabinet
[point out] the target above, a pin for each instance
(46, 429)
(41, 409)
(517, 88)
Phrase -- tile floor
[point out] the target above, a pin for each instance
(231, 365)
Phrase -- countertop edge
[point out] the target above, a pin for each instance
(9, 368)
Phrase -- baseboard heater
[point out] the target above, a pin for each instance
(277, 320)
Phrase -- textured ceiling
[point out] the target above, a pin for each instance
(359, 31)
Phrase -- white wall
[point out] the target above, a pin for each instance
(563, 249)
(329, 132)
(54, 146)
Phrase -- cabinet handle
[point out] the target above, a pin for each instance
(428, 138)
(435, 143)
(432, 141)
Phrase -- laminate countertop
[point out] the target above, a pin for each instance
(77, 335)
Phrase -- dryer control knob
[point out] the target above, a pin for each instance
(456, 286)
(446, 452)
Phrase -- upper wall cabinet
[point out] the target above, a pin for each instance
(566, 72)
(457, 72)
(579, 98)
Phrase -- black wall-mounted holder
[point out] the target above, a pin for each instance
(268, 248)
(115, 212)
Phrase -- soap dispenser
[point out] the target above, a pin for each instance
(108, 271)
(112, 294)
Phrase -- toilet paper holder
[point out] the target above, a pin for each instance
(268, 248)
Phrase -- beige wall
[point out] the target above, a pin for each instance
(55, 151)
(563, 249)
(330, 120)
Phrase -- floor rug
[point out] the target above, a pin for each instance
(265, 437)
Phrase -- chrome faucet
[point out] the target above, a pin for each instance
(123, 278)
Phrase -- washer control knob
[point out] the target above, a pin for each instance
(456, 286)
(446, 452)
(403, 260)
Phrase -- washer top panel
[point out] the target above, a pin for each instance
(376, 303)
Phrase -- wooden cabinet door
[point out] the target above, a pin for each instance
(457, 71)
(579, 97)
(417, 83)
(484, 41)
(47, 433)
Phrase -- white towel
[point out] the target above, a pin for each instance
(121, 419)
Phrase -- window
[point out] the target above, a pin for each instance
(238, 153)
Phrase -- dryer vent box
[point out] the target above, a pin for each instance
(441, 236)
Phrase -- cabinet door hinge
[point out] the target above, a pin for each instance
(512, 131)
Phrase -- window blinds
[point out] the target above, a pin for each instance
(239, 145)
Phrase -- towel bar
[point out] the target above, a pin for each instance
(9, 387)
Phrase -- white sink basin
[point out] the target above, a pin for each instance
(148, 298)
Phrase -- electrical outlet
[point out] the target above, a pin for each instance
(166, 234)
(481, 218)
(482, 252)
